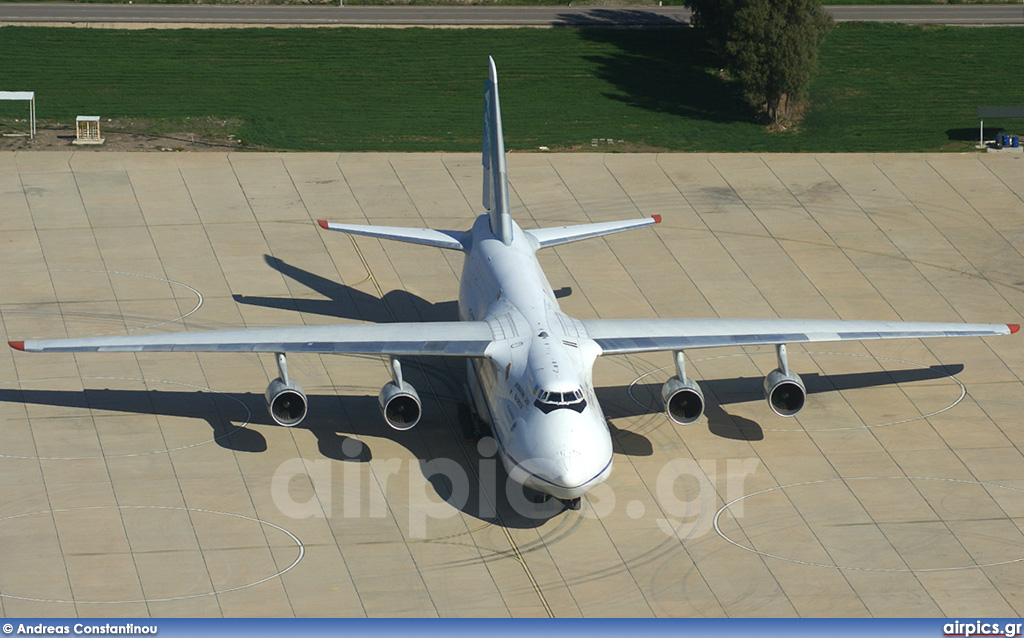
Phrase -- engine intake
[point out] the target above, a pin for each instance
(286, 402)
(400, 405)
(684, 401)
(785, 392)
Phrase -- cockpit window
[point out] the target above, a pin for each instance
(548, 402)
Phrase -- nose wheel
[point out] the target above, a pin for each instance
(537, 497)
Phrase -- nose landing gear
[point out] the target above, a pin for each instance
(540, 497)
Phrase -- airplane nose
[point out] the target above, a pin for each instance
(571, 472)
(571, 455)
(574, 474)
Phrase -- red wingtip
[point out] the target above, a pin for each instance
(17, 345)
(656, 218)
(1013, 327)
(323, 224)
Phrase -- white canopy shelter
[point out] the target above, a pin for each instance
(996, 112)
(30, 97)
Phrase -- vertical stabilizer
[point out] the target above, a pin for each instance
(495, 175)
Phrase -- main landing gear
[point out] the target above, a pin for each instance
(473, 427)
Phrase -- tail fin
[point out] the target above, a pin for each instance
(495, 174)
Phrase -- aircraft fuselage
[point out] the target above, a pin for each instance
(535, 387)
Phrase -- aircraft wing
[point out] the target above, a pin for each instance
(442, 338)
(628, 336)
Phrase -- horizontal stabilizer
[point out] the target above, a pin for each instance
(564, 234)
(629, 336)
(451, 239)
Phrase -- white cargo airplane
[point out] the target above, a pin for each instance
(529, 364)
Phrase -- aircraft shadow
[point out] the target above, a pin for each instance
(219, 410)
(448, 455)
(617, 402)
(455, 469)
(475, 483)
(347, 302)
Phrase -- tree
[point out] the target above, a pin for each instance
(714, 19)
(772, 47)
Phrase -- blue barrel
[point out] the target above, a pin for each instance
(1015, 141)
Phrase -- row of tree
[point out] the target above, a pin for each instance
(770, 46)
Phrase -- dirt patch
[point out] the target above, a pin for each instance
(605, 146)
(193, 134)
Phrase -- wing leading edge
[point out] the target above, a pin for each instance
(443, 338)
(629, 336)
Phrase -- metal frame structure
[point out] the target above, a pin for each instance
(87, 130)
(29, 96)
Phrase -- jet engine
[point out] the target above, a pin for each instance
(286, 402)
(684, 401)
(400, 405)
(785, 392)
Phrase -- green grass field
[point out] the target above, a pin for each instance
(878, 87)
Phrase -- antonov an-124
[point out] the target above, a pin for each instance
(529, 365)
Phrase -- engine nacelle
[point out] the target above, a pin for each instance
(785, 393)
(286, 402)
(400, 405)
(684, 401)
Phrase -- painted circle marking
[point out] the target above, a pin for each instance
(725, 508)
(292, 537)
(199, 295)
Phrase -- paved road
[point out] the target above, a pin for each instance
(992, 14)
(155, 15)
